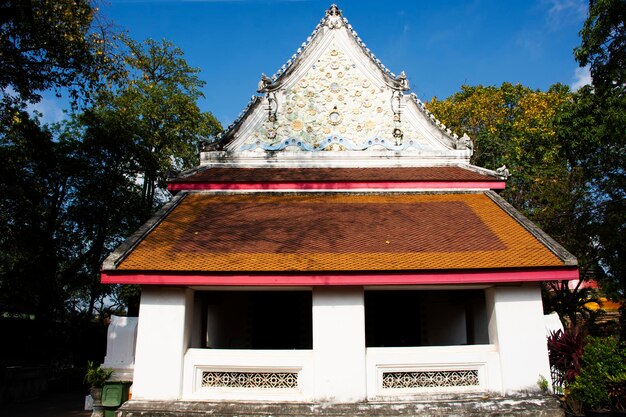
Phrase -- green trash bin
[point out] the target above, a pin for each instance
(114, 394)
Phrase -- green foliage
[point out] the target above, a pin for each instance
(602, 359)
(595, 122)
(69, 193)
(51, 44)
(44, 44)
(33, 232)
(66, 201)
(616, 385)
(154, 110)
(591, 128)
(603, 44)
(512, 125)
(97, 376)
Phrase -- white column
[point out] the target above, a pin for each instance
(162, 339)
(339, 344)
(516, 328)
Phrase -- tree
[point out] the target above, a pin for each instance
(105, 206)
(48, 44)
(156, 104)
(512, 125)
(593, 128)
(33, 186)
(600, 117)
(71, 192)
(603, 44)
(66, 201)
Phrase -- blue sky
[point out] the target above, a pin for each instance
(441, 45)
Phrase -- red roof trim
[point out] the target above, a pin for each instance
(358, 278)
(338, 185)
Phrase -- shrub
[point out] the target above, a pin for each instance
(96, 376)
(616, 385)
(565, 353)
(601, 360)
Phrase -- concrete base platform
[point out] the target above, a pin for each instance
(532, 405)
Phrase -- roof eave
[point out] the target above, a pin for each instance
(555, 247)
(315, 278)
(119, 254)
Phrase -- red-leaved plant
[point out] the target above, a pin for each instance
(565, 351)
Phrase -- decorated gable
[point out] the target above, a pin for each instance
(334, 96)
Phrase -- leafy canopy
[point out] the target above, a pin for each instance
(155, 106)
(49, 44)
(603, 44)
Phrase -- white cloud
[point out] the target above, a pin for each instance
(582, 77)
(560, 7)
(49, 107)
(562, 12)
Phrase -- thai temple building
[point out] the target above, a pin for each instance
(336, 246)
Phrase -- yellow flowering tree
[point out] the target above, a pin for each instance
(512, 125)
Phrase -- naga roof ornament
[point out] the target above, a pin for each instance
(334, 102)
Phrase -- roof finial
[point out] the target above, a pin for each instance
(503, 172)
(401, 82)
(333, 17)
(265, 84)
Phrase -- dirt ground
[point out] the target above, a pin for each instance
(67, 404)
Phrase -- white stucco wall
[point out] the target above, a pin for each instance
(516, 327)
(339, 344)
(339, 368)
(237, 360)
(483, 358)
(162, 339)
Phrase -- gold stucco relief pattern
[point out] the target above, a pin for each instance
(333, 98)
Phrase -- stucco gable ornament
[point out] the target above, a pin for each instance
(401, 82)
(333, 17)
(265, 84)
(465, 142)
(503, 172)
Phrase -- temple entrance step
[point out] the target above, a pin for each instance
(527, 406)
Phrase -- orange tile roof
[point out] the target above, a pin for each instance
(337, 232)
(220, 174)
